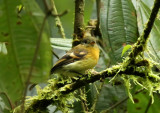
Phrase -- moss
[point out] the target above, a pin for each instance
(150, 81)
(48, 97)
(128, 86)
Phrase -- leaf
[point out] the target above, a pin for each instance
(21, 35)
(141, 101)
(109, 96)
(5, 106)
(125, 49)
(118, 25)
(60, 43)
(143, 13)
(104, 99)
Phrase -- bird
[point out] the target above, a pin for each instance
(78, 60)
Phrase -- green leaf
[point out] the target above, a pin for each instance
(118, 24)
(10, 81)
(103, 99)
(125, 49)
(21, 35)
(44, 57)
(141, 101)
(5, 106)
(109, 96)
(143, 13)
(60, 43)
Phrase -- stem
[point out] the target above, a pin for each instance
(10, 103)
(55, 54)
(115, 105)
(97, 97)
(61, 14)
(148, 106)
(57, 19)
(120, 102)
(83, 99)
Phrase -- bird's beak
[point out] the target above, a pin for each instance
(92, 43)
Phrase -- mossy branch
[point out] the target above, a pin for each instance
(140, 45)
(46, 98)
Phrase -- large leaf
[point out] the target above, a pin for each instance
(104, 99)
(143, 13)
(60, 43)
(109, 96)
(118, 24)
(141, 104)
(21, 35)
(44, 57)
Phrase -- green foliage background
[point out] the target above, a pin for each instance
(121, 22)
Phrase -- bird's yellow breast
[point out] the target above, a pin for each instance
(93, 53)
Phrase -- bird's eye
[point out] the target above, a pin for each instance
(85, 42)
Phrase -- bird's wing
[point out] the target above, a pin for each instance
(71, 56)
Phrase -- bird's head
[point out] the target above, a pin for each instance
(88, 41)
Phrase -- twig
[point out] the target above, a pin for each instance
(115, 105)
(10, 103)
(120, 102)
(61, 14)
(148, 106)
(48, 8)
(57, 19)
(83, 99)
(55, 54)
(97, 97)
